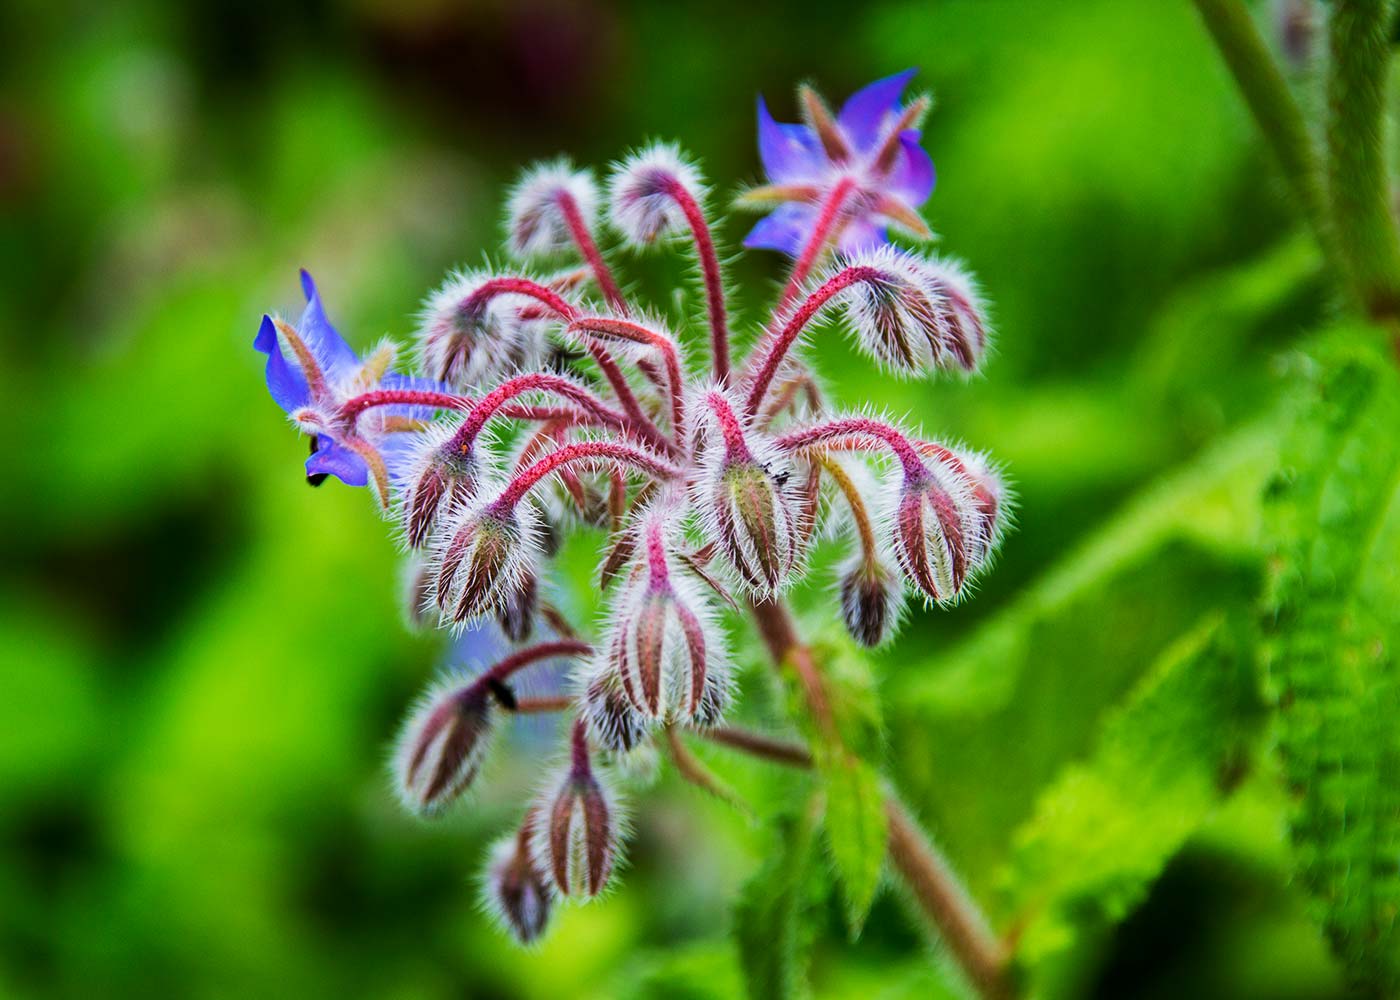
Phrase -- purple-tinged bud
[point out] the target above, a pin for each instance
(872, 600)
(537, 222)
(612, 720)
(641, 203)
(441, 746)
(989, 497)
(576, 840)
(517, 893)
(921, 316)
(484, 558)
(465, 342)
(516, 612)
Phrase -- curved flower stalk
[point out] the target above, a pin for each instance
(561, 402)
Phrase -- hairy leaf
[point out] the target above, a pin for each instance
(772, 936)
(1335, 527)
(1102, 832)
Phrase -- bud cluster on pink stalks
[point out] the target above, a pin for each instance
(548, 402)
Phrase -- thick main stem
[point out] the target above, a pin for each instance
(982, 957)
(1275, 111)
(1358, 183)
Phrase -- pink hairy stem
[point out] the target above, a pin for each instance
(582, 451)
(709, 269)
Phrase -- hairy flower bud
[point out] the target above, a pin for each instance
(613, 722)
(467, 340)
(641, 202)
(438, 477)
(919, 316)
(753, 511)
(872, 598)
(580, 823)
(517, 893)
(936, 526)
(537, 222)
(441, 746)
(516, 612)
(484, 558)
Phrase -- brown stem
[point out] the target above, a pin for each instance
(940, 896)
(757, 745)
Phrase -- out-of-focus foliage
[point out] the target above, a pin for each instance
(1335, 592)
(202, 660)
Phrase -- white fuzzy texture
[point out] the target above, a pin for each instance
(413, 794)
(468, 350)
(521, 556)
(926, 316)
(535, 221)
(639, 206)
(531, 911)
(574, 861)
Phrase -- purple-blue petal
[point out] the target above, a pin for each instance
(863, 114)
(336, 357)
(789, 152)
(284, 382)
(785, 229)
(913, 175)
(400, 453)
(331, 459)
(860, 235)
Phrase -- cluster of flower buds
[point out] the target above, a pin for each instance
(548, 400)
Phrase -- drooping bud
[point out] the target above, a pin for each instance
(936, 524)
(872, 599)
(441, 746)
(920, 315)
(439, 477)
(755, 511)
(516, 893)
(640, 193)
(989, 496)
(485, 558)
(537, 222)
(516, 612)
(665, 645)
(467, 338)
(580, 823)
(612, 720)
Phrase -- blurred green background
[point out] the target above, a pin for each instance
(202, 661)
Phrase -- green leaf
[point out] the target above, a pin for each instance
(1102, 832)
(773, 938)
(1335, 526)
(842, 746)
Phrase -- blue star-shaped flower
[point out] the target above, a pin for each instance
(314, 379)
(866, 162)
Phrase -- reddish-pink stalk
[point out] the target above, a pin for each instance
(788, 335)
(581, 451)
(578, 747)
(353, 407)
(625, 329)
(858, 427)
(519, 385)
(604, 360)
(736, 447)
(709, 269)
(822, 234)
(578, 229)
(522, 658)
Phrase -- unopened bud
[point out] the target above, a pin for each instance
(537, 222)
(465, 342)
(612, 720)
(517, 894)
(442, 745)
(919, 316)
(516, 612)
(755, 511)
(642, 205)
(485, 560)
(934, 520)
(871, 599)
(440, 476)
(577, 839)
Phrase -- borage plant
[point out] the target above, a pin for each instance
(549, 402)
